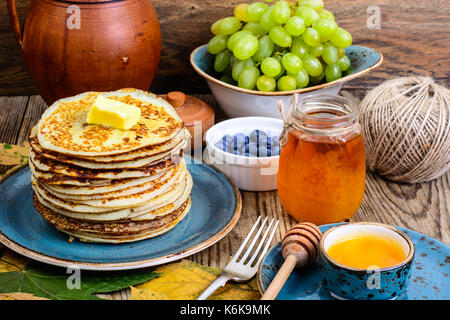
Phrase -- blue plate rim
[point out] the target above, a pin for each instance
(329, 225)
(286, 93)
(138, 264)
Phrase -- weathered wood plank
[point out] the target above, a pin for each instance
(35, 108)
(414, 39)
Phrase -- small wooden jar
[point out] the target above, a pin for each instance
(198, 116)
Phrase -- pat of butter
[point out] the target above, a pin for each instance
(112, 113)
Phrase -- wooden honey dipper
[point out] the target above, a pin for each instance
(300, 247)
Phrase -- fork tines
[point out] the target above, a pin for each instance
(258, 252)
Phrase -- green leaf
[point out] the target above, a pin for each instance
(52, 283)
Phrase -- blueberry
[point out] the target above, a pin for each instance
(275, 150)
(238, 141)
(269, 143)
(252, 150)
(275, 140)
(219, 144)
(225, 144)
(263, 151)
(257, 134)
(227, 139)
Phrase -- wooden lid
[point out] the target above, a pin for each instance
(191, 109)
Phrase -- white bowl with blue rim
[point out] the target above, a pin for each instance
(239, 102)
(247, 171)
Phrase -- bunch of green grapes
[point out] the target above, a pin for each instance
(286, 46)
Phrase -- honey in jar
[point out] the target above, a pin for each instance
(321, 173)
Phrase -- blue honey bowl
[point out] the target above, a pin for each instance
(347, 283)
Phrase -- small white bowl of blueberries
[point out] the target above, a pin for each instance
(247, 149)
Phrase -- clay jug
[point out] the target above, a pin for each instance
(70, 47)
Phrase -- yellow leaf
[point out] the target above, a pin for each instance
(10, 261)
(186, 280)
(19, 296)
(13, 155)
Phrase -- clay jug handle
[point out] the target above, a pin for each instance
(12, 10)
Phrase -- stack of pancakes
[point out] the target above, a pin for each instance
(102, 184)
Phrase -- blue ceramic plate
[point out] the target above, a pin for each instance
(216, 206)
(429, 277)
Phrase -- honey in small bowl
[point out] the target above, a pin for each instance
(367, 250)
(365, 260)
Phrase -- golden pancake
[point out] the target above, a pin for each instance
(47, 165)
(63, 126)
(93, 163)
(136, 213)
(107, 228)
(91, 237)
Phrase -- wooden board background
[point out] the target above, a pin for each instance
(414, 38)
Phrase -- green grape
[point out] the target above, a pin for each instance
(233, 60)
(256, 10)
(315, 4)
(330, 54)
(222, 60)
(317, 79)
(282, 72)
(255, 28)
(227, 79)
(301, 78)
(332, 72)
(240, 12)
(295, 26)
(341, 52)
(311, 37)
(287, 83)
(325, 27)
(267, 21)
(344, 63)
(308, 15)
(215, 27)
(292, 63)
(280, 36)
(341, 38)
(245, 47)
(312, 65)
(316, 51)
(239, 66)
(217, 44)
(248, 78)
(281, 12)
(271, 67)
(324, 13)
(299, 47)
(228, 69)
(229, 25)
(235, 37)
(265, 49)
(266, 84)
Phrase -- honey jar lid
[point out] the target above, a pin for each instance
(191, 109)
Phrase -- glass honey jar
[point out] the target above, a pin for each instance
(321, 173)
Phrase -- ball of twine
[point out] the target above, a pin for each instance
(406, 129)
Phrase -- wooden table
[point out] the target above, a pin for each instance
(421, 207)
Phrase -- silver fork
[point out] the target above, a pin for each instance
(242, 270)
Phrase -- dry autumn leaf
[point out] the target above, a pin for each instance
(10, 261)
(11, 155)
(186, 280)
(19, 296)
